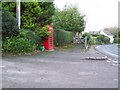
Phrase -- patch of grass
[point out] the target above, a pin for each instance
(36, 52)
(119, 45)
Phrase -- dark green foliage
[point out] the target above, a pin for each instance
(33, 14)
(0, 19)
(10, 6)
(9, 27)
(100, 38)
(47, 11)
(63, 37)
(88, 35)
(103, 39)
(29, 34)
(106, 40)
(17, 45)
(118, 34)
(30, 13)
(69, 19)
(117, 40)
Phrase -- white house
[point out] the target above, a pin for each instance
(108, 34)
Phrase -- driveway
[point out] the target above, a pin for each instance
(65, 68)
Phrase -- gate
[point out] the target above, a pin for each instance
(78, 39)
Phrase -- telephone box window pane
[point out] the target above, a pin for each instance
(51, 40)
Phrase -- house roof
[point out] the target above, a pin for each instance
(107, 32)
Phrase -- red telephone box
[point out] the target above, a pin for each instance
(49, 43)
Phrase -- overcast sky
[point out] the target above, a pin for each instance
(99, 13)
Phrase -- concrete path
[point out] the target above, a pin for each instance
(59, 69)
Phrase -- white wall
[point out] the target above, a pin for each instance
(109, 36)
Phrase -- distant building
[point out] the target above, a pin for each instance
(94, 32)
(107, 34)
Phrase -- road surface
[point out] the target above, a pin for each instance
(59, 69)
(110, 50)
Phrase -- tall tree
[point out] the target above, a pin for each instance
(33, 14)
(47, 11)
(69, 19)
(30, 12)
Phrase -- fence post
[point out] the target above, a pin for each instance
(86, 46)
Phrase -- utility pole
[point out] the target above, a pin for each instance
(18, 13)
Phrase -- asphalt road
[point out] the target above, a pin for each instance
(59, 69)
(110, 50)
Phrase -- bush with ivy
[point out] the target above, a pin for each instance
(17, 45)
(62, 37)
(44, 33)
(31, 35)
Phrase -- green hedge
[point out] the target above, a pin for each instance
(63, 37)
(17, 45)
(117, 40)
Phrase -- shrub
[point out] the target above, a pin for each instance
(93, 41)
(117, 40)
(106, 40)
(63, 37)
(44, 34)
(88, 35)
(100, 38)
(9, 27)
(18, 45)
(103, 39)
(31, 35)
